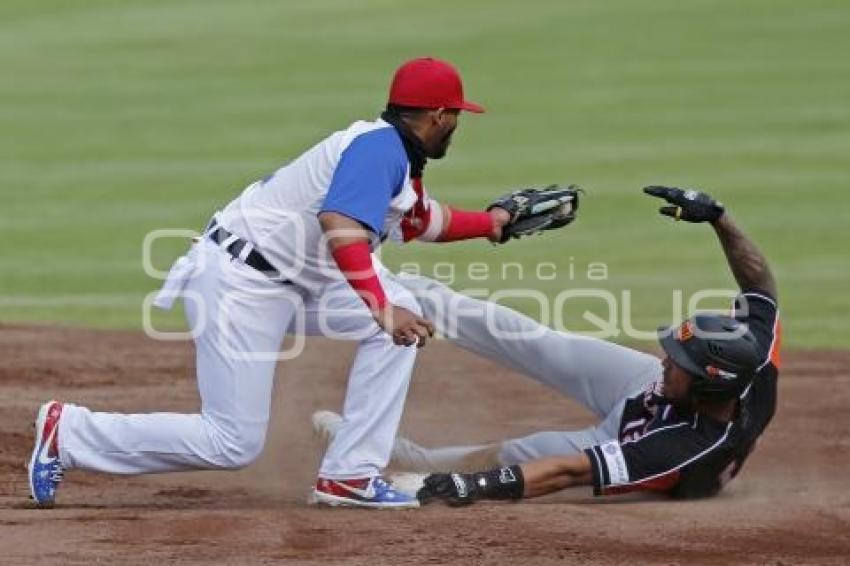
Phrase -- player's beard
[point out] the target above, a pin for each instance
(443, 146)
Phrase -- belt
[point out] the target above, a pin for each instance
(238, 248)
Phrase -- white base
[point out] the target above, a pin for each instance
(408, 483)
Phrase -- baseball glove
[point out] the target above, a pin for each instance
(534, 210)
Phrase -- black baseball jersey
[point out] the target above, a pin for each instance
(687, 454)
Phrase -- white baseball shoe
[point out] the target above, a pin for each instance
(325, 425)
(408, 483)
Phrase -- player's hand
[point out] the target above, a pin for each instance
(454, 489)
(688, 205)
(405, 327)
(501, 218)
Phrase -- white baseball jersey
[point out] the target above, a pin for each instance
(362, 172)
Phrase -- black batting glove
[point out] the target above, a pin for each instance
(505, 483)
(454, 489)
(688, 205)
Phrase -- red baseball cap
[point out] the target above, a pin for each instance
(429, 83)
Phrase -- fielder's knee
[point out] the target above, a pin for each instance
(238, 448)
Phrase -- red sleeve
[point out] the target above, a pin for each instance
(466, 224)
(355, 262)
(426, 221)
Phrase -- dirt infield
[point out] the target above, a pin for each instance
(790, 505)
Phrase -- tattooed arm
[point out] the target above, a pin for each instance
(748, 264)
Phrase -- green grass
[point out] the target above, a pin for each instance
(118, 118)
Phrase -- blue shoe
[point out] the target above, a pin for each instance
(45, 470)
(374, 493)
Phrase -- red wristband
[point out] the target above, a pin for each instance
(467, 224)
(355, 262)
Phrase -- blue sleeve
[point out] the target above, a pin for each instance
(369, 174)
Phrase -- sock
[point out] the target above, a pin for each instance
(415, 458)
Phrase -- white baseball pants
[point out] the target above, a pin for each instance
(239, 318)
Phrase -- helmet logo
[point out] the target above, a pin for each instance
(685, 331)
(715, 372)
